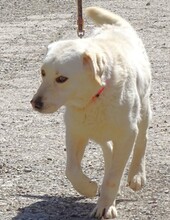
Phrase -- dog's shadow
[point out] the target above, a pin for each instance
(58, 208)
(55, 208)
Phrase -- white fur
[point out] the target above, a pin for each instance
(117, 120)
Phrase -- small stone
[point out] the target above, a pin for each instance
(27, 170)
(166, 191)
(49, 158)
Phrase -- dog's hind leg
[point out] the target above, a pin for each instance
(75, 150)
(137, 175)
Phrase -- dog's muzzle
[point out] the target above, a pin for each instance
(37, 103)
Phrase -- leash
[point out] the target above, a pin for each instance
(80, 21)
(80, 33)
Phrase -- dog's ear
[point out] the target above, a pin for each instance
(92, 62)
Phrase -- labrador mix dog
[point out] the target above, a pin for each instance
(104, 82)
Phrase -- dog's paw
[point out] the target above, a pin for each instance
(137, 182)
(81, 183)
(107, 212)
(90, 190)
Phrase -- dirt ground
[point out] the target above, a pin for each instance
(33, 185)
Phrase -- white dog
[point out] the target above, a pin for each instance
(104, 82)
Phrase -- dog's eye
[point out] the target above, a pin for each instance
(61, 79)
(42, 73)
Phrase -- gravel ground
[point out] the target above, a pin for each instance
(33, 185)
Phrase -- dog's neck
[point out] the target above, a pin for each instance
(93, 99)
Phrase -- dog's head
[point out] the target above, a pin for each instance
(71, 75)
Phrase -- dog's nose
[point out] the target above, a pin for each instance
(37, 103)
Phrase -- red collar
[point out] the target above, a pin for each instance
(98, 93)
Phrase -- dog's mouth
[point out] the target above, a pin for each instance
(46, 110)
(39, 106)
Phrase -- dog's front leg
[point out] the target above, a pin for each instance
(113, 173)
(75, 150)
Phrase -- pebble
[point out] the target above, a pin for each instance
(49, 158)
(3, 203)
(167, 191)
(27, 170)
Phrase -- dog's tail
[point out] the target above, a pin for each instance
(101, 16)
